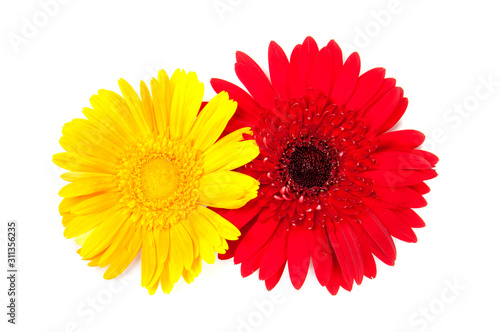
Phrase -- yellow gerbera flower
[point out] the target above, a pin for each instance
(143, 171)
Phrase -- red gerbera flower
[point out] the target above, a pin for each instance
(336, 186)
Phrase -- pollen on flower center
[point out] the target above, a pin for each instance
(309, 166)
(160, 178)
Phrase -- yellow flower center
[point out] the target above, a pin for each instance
(158, 179)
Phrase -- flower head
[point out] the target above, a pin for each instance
(336, 186)
(143, 171)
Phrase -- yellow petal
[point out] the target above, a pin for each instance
(108, 125)
(135, 218)
(83, 223)
(95, 260)
(147, 108)
(202, 227)
(83, 137)
(67, 218)
(211, 121)
(207, 235)
(192, 234)
(179, 253)
(103, 235)
(186, 102)
(166, 284)
(120, 263)
(68, 203)
(228, 154)
(161, 240)
(80, 239)
(96, 203)
(227, 189)
(80, 163)
(152, 289)
(89, 185)
(148, 257)
(184, 243)
(111, 107)
(189, 274)
(223, 227)
(74, 176)
(196, 267)
(135, 106)
(223, 247)
(118, 247)
(161, 91)
(248, 152)
(207, 251)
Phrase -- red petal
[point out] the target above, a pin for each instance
(335, 278)
(294, 67)
(233, 245)
(373, 247)
(395, 116)
(383, 109)
(256, 237)
(240, 217)
(202, 106)
(346, 284)
(229, 252)
(341, 256)
(429, 173)
(237, 122)
(272, 281)
(368, 85)
(247, 107)
(255, 80)
(401, 139)
(301, 62)
(388, 84)
(395, 225)
(400, 196)
(266, 214)
(430, 157)
(352, 250)
(379, 234)
(279, 70)
(322, 71)
(337, 61)
(252, 264)
(346, 81)
(320, 254)
(410, 217)
(298, 255)
(421, 188)
(275, 256)
(369, 268)
(399, 178)
(400, 160)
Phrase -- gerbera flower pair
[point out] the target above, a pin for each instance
(179, 178)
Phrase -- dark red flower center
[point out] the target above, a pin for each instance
(309, 166)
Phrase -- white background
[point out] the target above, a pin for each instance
(441, 52)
